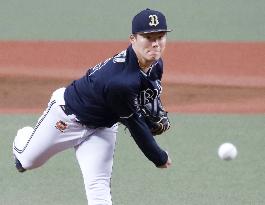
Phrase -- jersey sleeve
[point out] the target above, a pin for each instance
(145, 140)
(124, 103)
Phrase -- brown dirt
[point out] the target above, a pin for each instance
(214, 98)
(196, 79)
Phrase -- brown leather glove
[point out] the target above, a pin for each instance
(155, 117)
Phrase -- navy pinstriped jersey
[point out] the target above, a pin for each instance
(111, 92)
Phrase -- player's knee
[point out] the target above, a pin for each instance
(22, 139)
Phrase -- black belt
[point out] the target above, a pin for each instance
(66, 110)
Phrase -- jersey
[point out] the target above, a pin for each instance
(112, 92)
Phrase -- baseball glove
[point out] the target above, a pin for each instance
(155, 117)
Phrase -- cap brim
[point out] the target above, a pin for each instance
(154, 31)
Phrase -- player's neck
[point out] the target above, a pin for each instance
(144, 66)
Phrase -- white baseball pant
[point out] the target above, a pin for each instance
(55, 131)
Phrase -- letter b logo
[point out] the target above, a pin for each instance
(153, 20)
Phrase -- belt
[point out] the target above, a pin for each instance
(66, 110)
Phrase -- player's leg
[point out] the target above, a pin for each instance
(95, 157)
(22, 136)
(35, 147)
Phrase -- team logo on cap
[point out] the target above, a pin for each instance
(153, 20)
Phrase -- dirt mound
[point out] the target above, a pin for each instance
(198, 77)
(31, 94)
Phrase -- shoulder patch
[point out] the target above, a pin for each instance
(120, 58)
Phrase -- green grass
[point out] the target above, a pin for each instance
(197, 175)
(214, 20)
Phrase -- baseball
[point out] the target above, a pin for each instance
(227, 151)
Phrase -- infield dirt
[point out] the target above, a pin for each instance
(198, 77)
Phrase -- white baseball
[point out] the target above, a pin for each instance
(227, 151)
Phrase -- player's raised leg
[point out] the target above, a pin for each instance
(22, 137)
(95, 157)
(54, 132)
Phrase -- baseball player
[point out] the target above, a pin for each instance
(123, 89)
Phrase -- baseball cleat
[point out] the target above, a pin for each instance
(19, 165)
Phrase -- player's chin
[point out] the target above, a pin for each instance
(154, 57)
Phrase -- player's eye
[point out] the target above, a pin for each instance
(153, 37)
(149, 37)
(161, 36)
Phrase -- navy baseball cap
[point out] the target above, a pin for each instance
(149, 21)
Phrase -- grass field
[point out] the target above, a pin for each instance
(197, 176)
(215, 20)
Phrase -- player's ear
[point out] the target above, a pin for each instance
(132, 38)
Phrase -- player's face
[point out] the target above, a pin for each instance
(149, 47)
